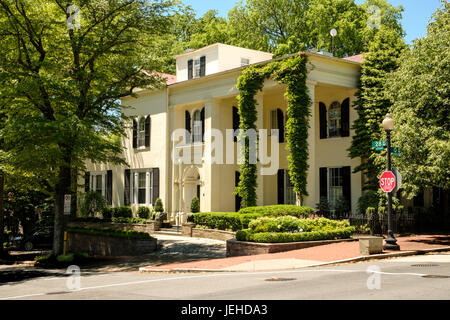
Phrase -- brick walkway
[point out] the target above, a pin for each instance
(326, 253)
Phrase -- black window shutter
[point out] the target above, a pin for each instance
(202, 117)
(155, 184)
(237, 198)
(280, 119)
(87, 179)
(324, 182)
(323, 120)
(109, 187)
(346, 185)
(147, 131)
(280, 180)
(127, 185)
(190, 69)
(345, 118)
(188, 126)
(236, 121)
(202, 66)
(134, 134)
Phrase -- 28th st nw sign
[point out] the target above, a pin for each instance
(387, 181)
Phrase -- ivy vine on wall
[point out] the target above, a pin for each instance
(292, 72)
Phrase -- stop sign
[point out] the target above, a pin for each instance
(387, 181)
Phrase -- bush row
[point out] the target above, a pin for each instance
(110, 232)
(118, 212)
(283, 237)
(280, 210)
(240, 220)
(293, 224)
(224, 220)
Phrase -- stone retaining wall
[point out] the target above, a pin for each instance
(241, 248)
(149, 227)
(189, 230)
(99, 245)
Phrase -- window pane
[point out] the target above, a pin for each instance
(142, 178)
(197, 127)
(334, 119)
(141, 196)
(197, 68)
(336, 189)
(141, 135)
(98, 183)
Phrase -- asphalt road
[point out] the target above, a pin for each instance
(419, 277)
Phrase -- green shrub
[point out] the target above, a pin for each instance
(143, 212)
(292, 224)
(159, 205)
(219, 220)
(107, 213)
(195, 205)
(122, 212)
(280, 210)
(110, 232)
(91, 204)
(65, 258)
(283, 237)
(367, 200)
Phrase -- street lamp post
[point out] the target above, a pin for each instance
(390, 242)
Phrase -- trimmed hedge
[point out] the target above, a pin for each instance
(280, 210)
(219, 220)
(122, 212)
(110, 232)
(224, 220)
(143, 212)
(283, 237)
(292, 224)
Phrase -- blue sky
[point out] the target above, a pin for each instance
(416, 13)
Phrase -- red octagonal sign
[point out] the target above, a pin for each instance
(387, 181)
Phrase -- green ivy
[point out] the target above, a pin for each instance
(292, 72)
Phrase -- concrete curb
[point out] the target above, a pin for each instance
(356, 259)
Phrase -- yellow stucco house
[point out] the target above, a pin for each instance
(202, 97)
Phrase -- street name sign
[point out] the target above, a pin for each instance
(379, 145)
(387, 181)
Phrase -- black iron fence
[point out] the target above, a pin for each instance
(408, 220)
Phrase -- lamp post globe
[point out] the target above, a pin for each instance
(388, 123)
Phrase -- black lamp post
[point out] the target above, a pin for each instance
(390, 242)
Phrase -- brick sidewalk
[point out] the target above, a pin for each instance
(326, 253)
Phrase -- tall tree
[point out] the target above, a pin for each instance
(372, 103)
(63, 78)
(420, 91)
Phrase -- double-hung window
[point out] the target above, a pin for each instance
(334, 118)
(335, 176)
(197, 68)
(197, 126)
(98, 183)
(142, 187)
(141, 133)
(289, 194)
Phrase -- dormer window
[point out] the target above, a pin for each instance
(197, 68)
(245, 62)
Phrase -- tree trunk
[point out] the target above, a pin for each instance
(2, 212)
(62, 188)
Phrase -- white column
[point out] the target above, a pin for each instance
(259, 125)
(312, 177)
(211, 172)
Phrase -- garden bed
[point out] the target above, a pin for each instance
(149, 227)
(242, 248)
